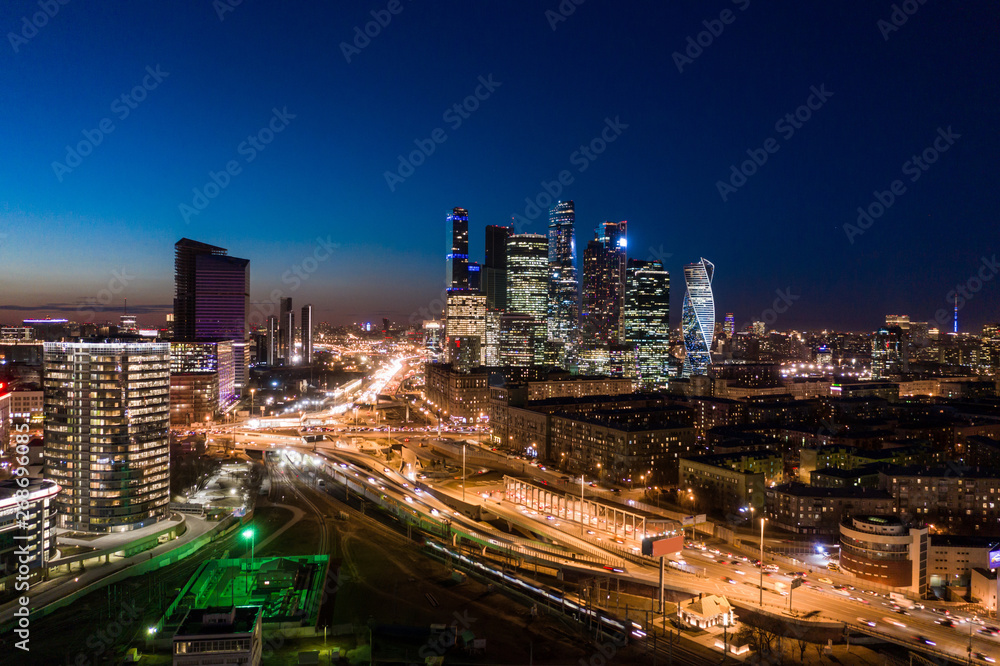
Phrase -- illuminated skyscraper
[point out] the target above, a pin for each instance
(528, 275)
(647, 320)
(465, 328)
(107, 416)
(272, 341)
(458, 257)
(307, 334)
(604, 285)
(698, 317)
(887, 352)
(730, 327)
(564, 293)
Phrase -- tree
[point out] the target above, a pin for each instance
(803, 646)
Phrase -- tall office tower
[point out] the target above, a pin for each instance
(758, 328)
(647, 320)
(522, 341)
(307, 334)
(465, 324)
(286, 330)
(212, 299)
(494, 280)
(475, 276)
(528, 275)
(698, 317)
(273, 341)
(491, 348)
(564, 290)
(887, 352)
(128, 324)
(730, 327)
(458, 258)
(107, 420)
(604, 285)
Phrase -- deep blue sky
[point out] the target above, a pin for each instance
(324, 174)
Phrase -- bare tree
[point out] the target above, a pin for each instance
(803, 646)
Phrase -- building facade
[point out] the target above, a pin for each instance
(27, 538)
(107, 414)
(884, 550)
(647, 321)
(456, 394)
(564, 290)
(458, 256)
(698, 317)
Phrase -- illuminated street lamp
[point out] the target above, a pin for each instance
(249, 534)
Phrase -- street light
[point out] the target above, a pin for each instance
(762, 519)
(249, 534)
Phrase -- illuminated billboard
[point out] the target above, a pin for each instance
(994, 559)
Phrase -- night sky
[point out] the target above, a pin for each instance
(108, 224)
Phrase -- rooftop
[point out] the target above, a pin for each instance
(218, 620)
(802, 490)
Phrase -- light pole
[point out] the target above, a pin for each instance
(252, 391)
(463, 471)
(249, 534)
(581, 504)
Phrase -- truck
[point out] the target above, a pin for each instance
(901, 600)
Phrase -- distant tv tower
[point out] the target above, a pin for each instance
(956, 313)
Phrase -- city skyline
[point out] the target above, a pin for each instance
(792, 224)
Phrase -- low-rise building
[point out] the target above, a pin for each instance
(220, 636)
(28, 540)
(885, 550)
(456, 394)
(952, 558)
(716, 486)
(706, 610)
(983, 588)
(956, 498)
(808, 510)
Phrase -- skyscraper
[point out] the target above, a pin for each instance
(107, 417)
(286, 330)
(604, 285)
(564, 292)
(458, 258)
(475, 272)
(211, 293)
(465, 327)
(212, 299)
(698, 317)
(307, 334)
(730, 327)
(494, 279)
(273, 343)
(647, 320)
(528, 275)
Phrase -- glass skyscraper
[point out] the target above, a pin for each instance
(698, 317)
(564, 296)
(458, 257)
(107, 413)
(307, 334)
(604, 285)
(528, 275)
(494, 279)
(647, 320)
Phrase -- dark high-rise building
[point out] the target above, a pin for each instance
(647, 320)
(564, 295)
(212, 299)
(211, 293)
(494, 282)
(698, 317)
(286, 331)
(458, 258)
(107, 424)
(475, 276)
(604, 285)
(307, 334)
